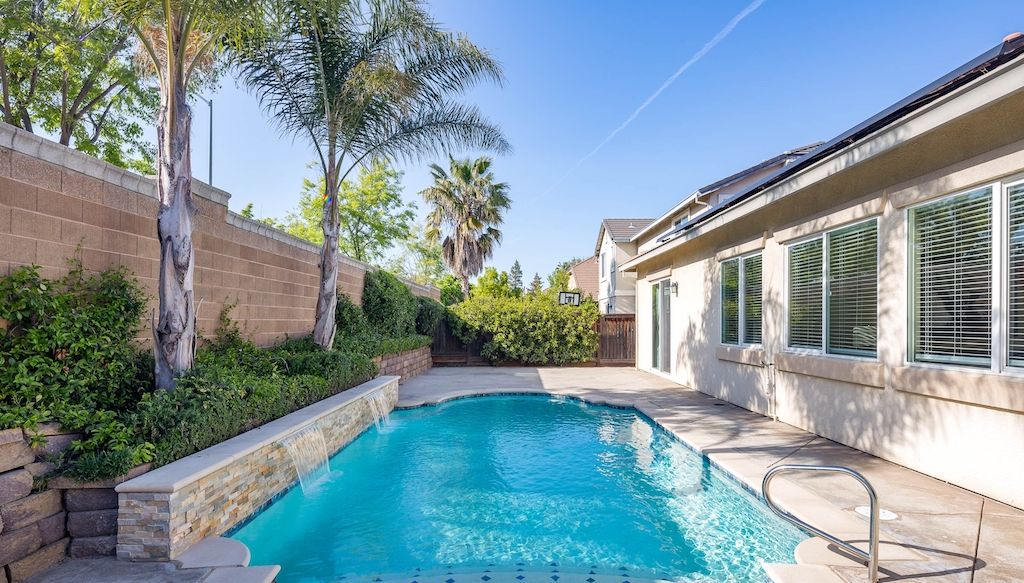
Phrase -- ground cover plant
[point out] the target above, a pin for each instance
(70, 357)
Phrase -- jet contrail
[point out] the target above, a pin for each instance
(693, 61)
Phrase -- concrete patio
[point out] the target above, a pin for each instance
(942, 533)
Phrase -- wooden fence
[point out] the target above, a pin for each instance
(617, 340)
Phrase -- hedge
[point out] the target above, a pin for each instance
(389, 306)
(532, 329)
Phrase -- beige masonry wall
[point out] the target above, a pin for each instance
(405, 364)
(164, 512)
(959, 424)
(54, 200)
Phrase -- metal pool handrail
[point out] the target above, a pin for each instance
(871, 556)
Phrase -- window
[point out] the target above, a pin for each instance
(833, 291)
(741, 300)
(951, 274)
(601, 260)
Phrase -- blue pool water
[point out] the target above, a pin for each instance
(507, 483)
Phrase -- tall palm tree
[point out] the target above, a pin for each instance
(180, 40)
(466, 207)
(364, 79)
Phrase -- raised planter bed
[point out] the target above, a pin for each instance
(164, 512)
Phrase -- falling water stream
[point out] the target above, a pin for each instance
(379, 408)
(308, 450)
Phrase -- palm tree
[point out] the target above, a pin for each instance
(466, 206)
(180, 41)
(364, 79)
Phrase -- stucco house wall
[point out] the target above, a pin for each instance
(958, 424)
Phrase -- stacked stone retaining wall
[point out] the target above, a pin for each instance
(405, 364)
(43, 520)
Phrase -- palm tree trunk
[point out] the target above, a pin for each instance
(465, 286)
(175, 334)
(327, 299)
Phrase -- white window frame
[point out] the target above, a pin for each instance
(823, 350)
(999, 361)
(740, 304)
(601, 261)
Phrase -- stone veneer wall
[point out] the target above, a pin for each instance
(53, 199)
(164, 512)
(43, 520)
(405, 364)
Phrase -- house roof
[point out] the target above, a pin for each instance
(1010, 49)
(620, 230)
(785, 158)
(585, 275)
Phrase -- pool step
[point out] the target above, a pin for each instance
(782, 573)
(243, 575)
(214, 551)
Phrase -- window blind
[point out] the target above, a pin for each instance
(951, 278)
(1015, 275)
(730, 275)
(752, 300)
(852, 301)
(805, 294)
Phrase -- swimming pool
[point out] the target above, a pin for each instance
(519, 485)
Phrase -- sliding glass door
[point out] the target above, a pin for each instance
(661, 325)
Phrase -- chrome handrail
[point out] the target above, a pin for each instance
(871, 556)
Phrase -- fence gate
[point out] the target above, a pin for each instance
(617, 345)
(447, 350)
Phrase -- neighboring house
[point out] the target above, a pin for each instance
(616, 289)
(583, 276)
(870, 290)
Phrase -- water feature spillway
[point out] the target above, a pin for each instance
(307, 449)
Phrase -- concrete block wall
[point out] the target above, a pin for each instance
(56, 203)
(405, 364)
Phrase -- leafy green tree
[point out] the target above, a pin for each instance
(371, 213)
(466, 207)
(419, 259)
(536, 286)
(247, 212)
(180, 43)
(516, 278)
(451, 289)
(67, 68)
(362, 80)
(493, 283)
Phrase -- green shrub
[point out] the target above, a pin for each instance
(389, 306)
(376, 345)
(429, 316)
(349, 319)
(219, 399)
(528, 330)
(68, 357)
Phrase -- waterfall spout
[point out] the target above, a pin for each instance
(308, 451)
(379, 408)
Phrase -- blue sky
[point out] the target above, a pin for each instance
(790, 73)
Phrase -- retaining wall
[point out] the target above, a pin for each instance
(164, 512)
(54, 199)
(41, 520)
(405, 364)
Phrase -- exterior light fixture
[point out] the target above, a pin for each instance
(675, 288)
